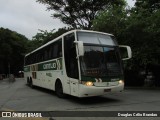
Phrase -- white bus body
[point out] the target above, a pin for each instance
(79, 63)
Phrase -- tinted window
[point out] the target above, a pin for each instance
(96, 38)
(49, 52)
(70, 56)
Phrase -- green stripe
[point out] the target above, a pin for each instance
(51, 65)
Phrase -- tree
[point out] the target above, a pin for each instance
(143, 28)
(12, 50)
(78, 13)
(111, 20)
(143, 34)
(136, 27)
(147, 5)
(45, 36)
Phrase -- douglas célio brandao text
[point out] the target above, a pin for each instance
(137, 114)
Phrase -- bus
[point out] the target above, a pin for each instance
(80, 63)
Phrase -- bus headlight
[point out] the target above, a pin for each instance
(121, 82)
(88, 83)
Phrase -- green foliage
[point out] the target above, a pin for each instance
(149, 5)
(78, 13)
(142, 33)
(111, 20)
(138, 27)
(44, 36)
(14, 46)
(12, 50)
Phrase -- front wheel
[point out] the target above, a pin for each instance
(59, 90)
(31, 83)
(27, 81)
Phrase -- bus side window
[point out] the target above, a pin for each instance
(50, 51)
(41, 55)
(46, 54)
(57, 49)
(59, 54)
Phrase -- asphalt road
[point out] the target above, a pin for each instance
(18, 96)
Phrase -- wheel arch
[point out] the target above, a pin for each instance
(59, 88)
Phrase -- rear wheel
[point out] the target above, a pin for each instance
(59, 89)
(27, 80)
(31, 83)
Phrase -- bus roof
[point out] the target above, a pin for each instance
(72, 31)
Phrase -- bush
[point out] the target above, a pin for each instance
(133, 78)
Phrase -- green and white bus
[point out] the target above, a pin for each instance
(80, 63)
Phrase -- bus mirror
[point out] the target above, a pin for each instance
(125, 51)
(80, 48)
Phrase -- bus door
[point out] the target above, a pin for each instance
(71, 63)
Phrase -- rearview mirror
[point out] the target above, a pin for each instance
(80, 47)
(126, 52)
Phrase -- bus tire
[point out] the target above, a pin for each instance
(27, 80)
(59, 89)
(31, 83)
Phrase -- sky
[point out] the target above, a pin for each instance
(28, 16)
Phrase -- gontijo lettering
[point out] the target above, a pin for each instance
(52, 65)
(49, 66)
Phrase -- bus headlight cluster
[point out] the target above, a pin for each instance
(121, 82)
(87, 83)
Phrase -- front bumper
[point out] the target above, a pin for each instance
(88, 91)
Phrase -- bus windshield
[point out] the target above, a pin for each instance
(100, 61)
